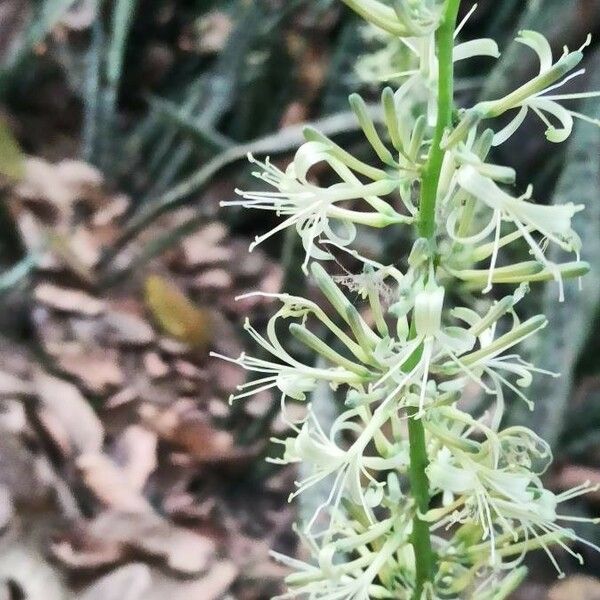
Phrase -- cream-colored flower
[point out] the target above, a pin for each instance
(313, 210)
(552, 222)
(534, 95)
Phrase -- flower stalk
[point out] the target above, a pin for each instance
(426, 229)
(404, 461)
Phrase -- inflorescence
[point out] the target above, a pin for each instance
(401, 366)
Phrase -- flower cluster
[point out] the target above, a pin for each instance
(426, 500)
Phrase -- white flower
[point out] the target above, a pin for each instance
(290, 376)
(406, 19)
(496, 485)
(491, 358)
(349, 466)
(552, 222)
(346, 567)
(314, 210)
(534, 95)
(422, 78)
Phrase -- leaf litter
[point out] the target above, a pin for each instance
(138, 484)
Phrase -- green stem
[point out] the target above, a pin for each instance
(419, 484)
(433, 167)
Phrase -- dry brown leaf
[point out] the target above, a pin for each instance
(11, 386)
(163, 422)
(59, 185)
(110, 484)
(78, 261)
(218, 408)
(128, 329)
(192, 431)
(272, 282)
(71, 410)
(578, 587)
(228, 376)
(205, 247)
(87, 555)
(182, 549)
(173, 347)
(189, 370)
(131, 582)
(13, 419)
(68, 300)
(97, 370)
(210, 587)
(217, 279)
(125, 396)
(135, 451)
(7, 509)
(155, 366)
(35, 238)
(203, 442)
(55, 429)
(32, 576)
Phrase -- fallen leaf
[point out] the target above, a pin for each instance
(110, 484)
(125, 396)
(116, 208)
(176, 314)
(7, 508)
(31, 575)
(86, 554)
(571, 476)
(68, 300)
(173, 347)
(204, 442)
(210, 587)
(11, 156)
(58, 185)
(11, 386)
(128, 329)
(155, 366)
(192, 431)
(182, 549)
(13, 419)
(98, 370)
(135, 452)
(218, 279)
(205, 247)
(76, 250)
(71, 410)
(189, 370)
(131, 582)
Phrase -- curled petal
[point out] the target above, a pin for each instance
(555, 134)
(537, 42)
(472, 48)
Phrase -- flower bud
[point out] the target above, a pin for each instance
(428, 311)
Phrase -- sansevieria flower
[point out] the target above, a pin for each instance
(424, 500)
